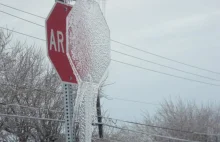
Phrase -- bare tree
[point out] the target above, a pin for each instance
(27, 79)
(183, 119)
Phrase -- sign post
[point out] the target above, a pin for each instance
(88, 50)
(56, 51)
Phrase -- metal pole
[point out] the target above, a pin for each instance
(99, 114)
(69, 92)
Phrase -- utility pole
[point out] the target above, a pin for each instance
(99, 115)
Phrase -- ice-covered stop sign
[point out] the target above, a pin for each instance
(88, 41)
(56, 41)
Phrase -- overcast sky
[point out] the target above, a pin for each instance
(187, 31)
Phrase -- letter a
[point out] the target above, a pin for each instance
(52, 41)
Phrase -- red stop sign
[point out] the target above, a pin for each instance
(56, 41)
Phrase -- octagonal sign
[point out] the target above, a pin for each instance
(88, 41)
(56, 41)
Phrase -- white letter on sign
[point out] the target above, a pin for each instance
(52, 41)
(60, 41)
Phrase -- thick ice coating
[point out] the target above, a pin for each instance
(88, 41)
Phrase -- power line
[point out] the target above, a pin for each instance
(165, 66)
(23, 34)
(161, 72)
(22, 11)
(109, 139)
(165, 73)
(34, 108)
(22, 19)
(144, 51)
(123, 54)
(29, 117)
(149, 134)
(109, 98)
(154, 126)
(35, 89)
(127, 100)
(118, 42)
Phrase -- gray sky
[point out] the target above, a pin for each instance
(187, 31)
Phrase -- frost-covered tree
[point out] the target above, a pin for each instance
(27, 79)
(185, 116)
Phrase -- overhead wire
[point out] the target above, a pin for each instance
(165, 66)
(160, 127)
(33, 108)
(167, 74)
(120, 120)
(118, 42)
(128, 64)
(22, 11)
(29, 117)
(35, 89)
(144, 51)
(123, 54)
(23, 34)
(109, 118)
(145, 133)
(134, 101)
(109, 139)
(108, 98)
(22, 19)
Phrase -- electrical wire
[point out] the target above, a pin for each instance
(136, 123)
(149, 134)
(22, 19)
(154, 126)
(23, 34)
(167, 74)
(22, 11)
(33, 108)
(35, 89)
(28, 117)
(127, 100)
(109, 139)
(118, 42)
(158, 71)
(165, 66)
(122, 54)
(146, 52)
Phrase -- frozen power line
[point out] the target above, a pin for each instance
(133, 101)
(149, 134)
(167, 74)
(193, 80)
(29, 117)
(35, 89)
(33, 108)
(138, 58)
(125, 55)
(146, 52)
(109, 139)
(118, 42)
(22, 11)
(22, 19)
(160, 127)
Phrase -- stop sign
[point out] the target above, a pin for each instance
(88, 41)
(56, 41)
